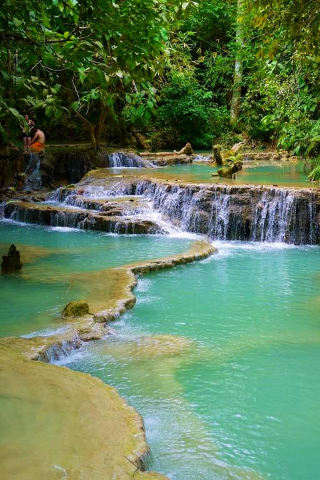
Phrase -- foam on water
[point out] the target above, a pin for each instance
(143, 285)
(47, 332)
(72, 356)
(191, 236)
(229, 247)
(65, 229)
(10, 221)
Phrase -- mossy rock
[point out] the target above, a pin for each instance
(76, 309)
(230, 167)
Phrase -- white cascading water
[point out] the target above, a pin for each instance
(123, 160)
(33, 179)
(220, 211)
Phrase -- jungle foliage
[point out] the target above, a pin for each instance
(101, 70)
(83, 61)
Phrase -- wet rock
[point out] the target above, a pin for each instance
(171, 159)
(11, 263)
(88, 334)
(86, 220)
(76, 309)
(11, 162)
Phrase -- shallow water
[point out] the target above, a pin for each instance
(222, 360)
(290, 174)
(53, 258)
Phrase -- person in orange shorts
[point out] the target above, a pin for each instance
(38, 141)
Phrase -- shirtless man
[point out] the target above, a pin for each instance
(38, 141)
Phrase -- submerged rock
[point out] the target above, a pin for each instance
(11, 263)
(76, 309)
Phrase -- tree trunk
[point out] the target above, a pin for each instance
(238, 68)
(100, 124)
(139, 139)
(91, 130)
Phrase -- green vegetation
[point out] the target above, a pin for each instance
(207, 72)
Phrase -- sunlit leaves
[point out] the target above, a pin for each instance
(94, 51)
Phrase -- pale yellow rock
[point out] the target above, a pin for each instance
(58, 424)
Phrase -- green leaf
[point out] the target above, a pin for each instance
(5, 75)
(94, 94)
(15, 113)
(49, 111)
(17, 22)
(164, 34)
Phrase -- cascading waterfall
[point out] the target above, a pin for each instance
(223, 212)
(239, 213)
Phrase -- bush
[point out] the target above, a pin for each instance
(187, 111)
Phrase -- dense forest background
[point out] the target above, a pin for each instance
(174, 71)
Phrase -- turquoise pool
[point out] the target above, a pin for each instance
(242, 400)
(33, 299)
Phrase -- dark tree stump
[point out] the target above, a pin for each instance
(11, 263)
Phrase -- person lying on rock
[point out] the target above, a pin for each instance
(38, 141)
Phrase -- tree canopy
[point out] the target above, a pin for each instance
(59, 56)
(174, 69)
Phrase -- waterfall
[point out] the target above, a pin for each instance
(127, 160)
(239, 212)
(203, 158)
(59, 350)
(2, 209)
(33, 180)
(222, 212)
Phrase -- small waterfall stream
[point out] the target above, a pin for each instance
(33, 180)
(125, 160)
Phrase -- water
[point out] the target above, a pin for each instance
(33, 179)
(220, 357)
(222, 360)
(57, 265)
(290, 174)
